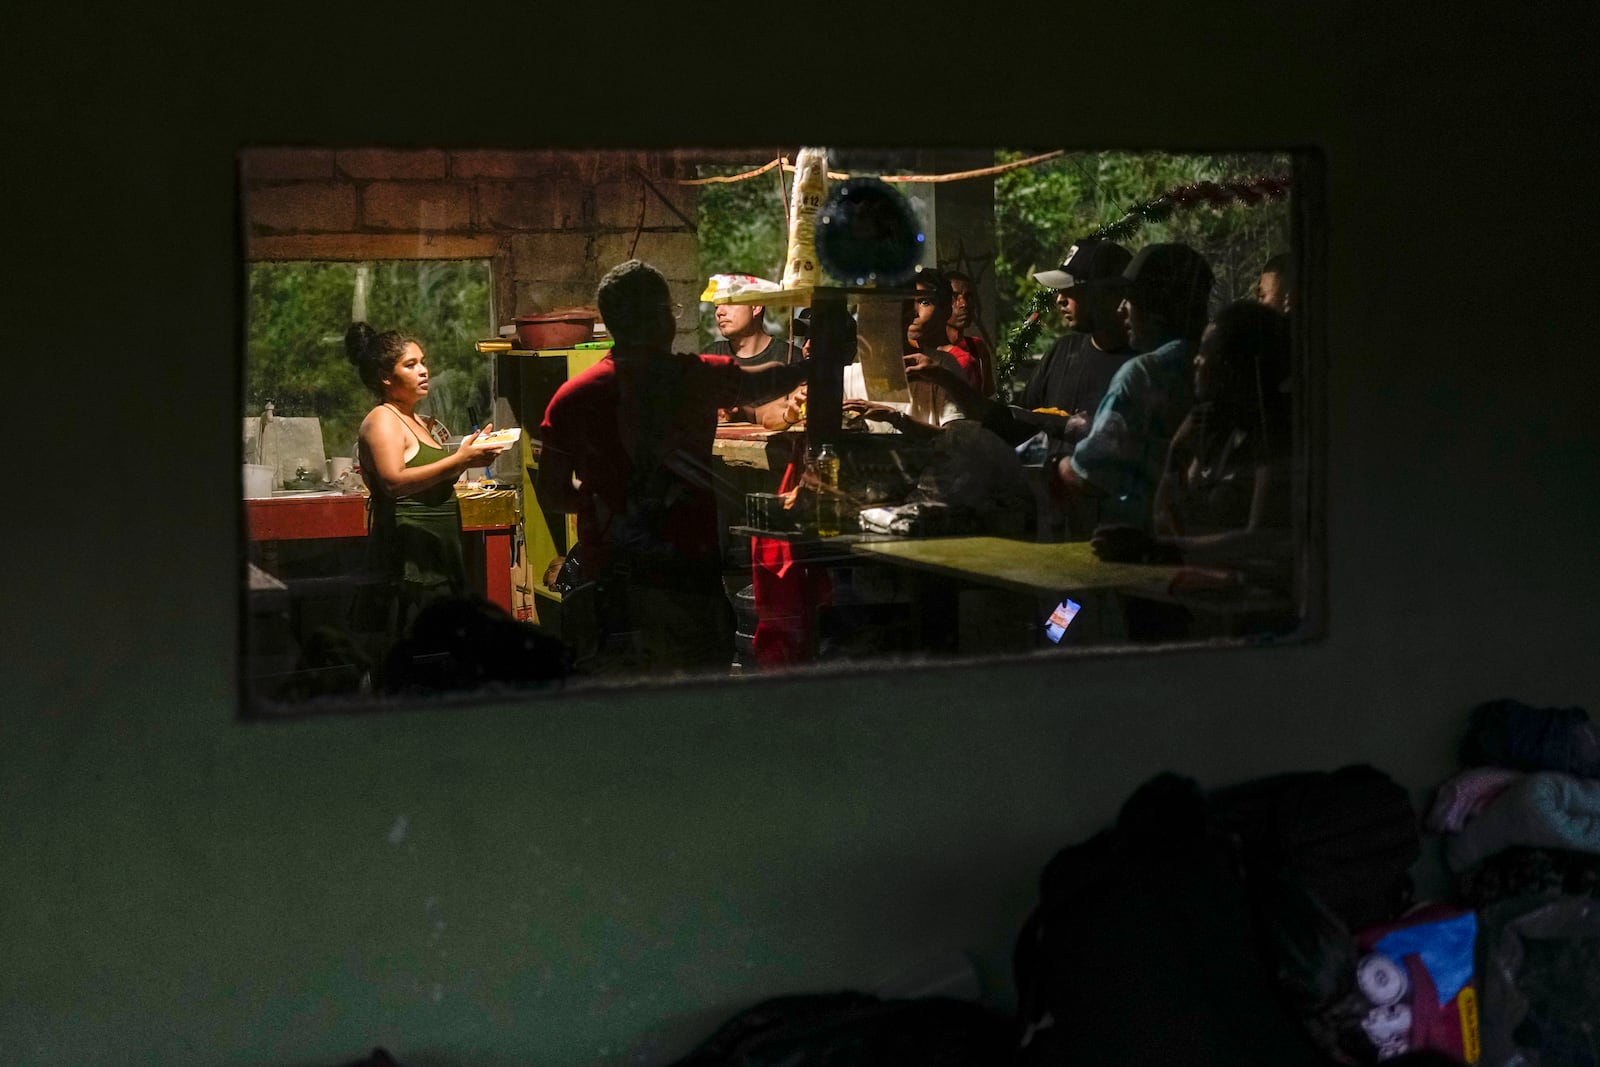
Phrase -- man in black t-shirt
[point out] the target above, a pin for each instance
(744, 337)
(1074, 374)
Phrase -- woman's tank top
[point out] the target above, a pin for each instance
(434, 494)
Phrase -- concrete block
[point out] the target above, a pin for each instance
(393, 164)
(602, 165)
(507, 166)
(574, 206)
(538, 297)
(675, 255)
(417, 206)
(302, 207)
(552, 257)
(618, 204)
(344, 245)
(268, 164)
(532, 205)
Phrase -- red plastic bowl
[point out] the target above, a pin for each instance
(557, 330)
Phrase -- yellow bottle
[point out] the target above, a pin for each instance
(829, 503)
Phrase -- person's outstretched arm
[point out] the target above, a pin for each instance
(383, 439)
(758, 385)
(920, 367)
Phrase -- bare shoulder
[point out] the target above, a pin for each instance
(380, 424)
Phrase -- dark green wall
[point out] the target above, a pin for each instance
(604, 878)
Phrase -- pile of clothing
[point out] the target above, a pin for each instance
(1521, 833)
(930, 519)
(1273, 921)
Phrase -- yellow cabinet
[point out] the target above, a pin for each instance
(527, 380)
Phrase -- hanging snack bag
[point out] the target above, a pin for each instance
(724, 286)
(810, 190)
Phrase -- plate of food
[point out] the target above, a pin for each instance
(500, 437)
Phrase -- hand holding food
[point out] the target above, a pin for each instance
(794, 408)
(869, 409)
(489, 435)
(485, 444)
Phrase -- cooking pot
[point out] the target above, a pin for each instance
(557, 329)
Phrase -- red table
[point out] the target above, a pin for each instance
(490, 514)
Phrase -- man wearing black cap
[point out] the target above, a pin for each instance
(1074, 374)
(1166, 289)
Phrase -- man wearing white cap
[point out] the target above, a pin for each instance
(1076, 372)
(745, 338)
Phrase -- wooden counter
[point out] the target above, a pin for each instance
(489, 515)
(744, 444)
(1048, 569)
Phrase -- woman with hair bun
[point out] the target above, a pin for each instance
(414, 522)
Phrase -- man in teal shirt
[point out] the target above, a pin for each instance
(1166, 291)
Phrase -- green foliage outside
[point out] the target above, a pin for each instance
(1040, 211)
(298, 313)
(744, 229)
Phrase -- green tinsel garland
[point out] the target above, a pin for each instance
(1158, 209)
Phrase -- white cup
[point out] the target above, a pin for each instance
(338, 467)
(258, 480)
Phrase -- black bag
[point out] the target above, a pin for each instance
(1349, 836)
(1144, 949)
(379, 1058)
(852, 1029)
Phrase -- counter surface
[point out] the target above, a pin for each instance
(744, 444)
(333, 514)
(491, 515)
(1025, 566)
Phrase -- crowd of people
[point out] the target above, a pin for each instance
(1164, 434)
(1167, 431)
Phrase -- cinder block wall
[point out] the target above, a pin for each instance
(550, 222)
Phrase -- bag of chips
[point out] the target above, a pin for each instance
(810, 189)
(724, 286)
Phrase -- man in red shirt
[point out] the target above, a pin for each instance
(971, 351)
(626, 446)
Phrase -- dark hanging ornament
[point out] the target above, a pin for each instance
(867, 234)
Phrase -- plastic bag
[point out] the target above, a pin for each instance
(724, 286)
(810, 189)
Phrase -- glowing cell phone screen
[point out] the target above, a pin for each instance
(1060, 619)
